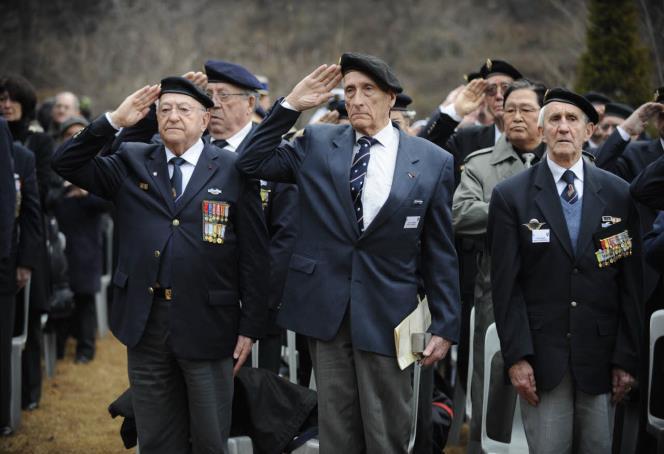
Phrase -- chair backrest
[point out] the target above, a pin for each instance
(656, 332)
(469, 405)
(22, 337)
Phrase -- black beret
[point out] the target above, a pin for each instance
(569, 97)
(185, 87)
(499, 67)
(659, 95)
(340, 106)
(597, 98)
(223, 71)
(402, 102)
(472, 76)
(373, 67)
(616, 109)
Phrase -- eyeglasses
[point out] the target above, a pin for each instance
(492, 90)
(184, 110)
(224, 97)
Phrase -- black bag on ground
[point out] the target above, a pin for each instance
(441, 420)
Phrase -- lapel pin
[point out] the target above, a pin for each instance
(411, 175)
(143, 186)
(534, 224)
(214, 191)
(154, 174)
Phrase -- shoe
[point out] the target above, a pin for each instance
(6, 431)
(82, 359)
(31, 406)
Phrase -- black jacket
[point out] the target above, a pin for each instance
(7, 190)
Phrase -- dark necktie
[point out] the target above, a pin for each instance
(569, 194)
(221, 143)
(176, 179)
(358, 172)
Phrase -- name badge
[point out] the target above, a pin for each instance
(541, 236)
(411, 222)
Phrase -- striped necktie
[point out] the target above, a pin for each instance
(358, 172)
(569, 194)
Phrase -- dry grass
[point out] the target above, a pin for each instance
(73, 416)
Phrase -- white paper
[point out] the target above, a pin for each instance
(411, 222)
(541, 236)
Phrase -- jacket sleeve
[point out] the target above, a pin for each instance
(648, 186)
(609, 155)
(469, 209)
(76, 160)
(253, 261)
(509, 305)
(653, 244)
(439, 264)
(7, 190)
(30, 218)
(265, 156)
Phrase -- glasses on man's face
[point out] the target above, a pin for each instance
(223, 96)
(492, 90)
(183, 110)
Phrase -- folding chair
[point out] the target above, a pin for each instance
(518, 443)
(655, 423)
(240, 445)
(18, 344)
(471, 333)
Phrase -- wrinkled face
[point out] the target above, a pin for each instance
(66, 106)
(232, 109)
(565, 129)
(367, 104)
(520, 116)
(399, 118)
(182, 121)
(605, 128)
(11, 110)
(494, 91)
(70, 131)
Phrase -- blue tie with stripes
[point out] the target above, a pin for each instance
(358, 172)
(569, 194)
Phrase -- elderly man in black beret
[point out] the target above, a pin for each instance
(192, 245)
(375, 217)
(566, 284)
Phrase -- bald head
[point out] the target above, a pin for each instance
(66, 106)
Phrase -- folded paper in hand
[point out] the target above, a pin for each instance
(417, 321)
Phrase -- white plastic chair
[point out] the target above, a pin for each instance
(655, 424)
(101, 304)
(18, 344)
(291, 354)
(240, 445)
(471, 333)
(50, 348)
(518, 445)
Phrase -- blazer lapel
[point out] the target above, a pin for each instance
(158, 170)
(339, 161)
(593, 207)
(205, 168)
(403, 181)
(548, 201)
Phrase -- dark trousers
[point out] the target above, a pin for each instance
(81, 324)
(175, 399)
(31, 386)
(7, 307)
(269, 353)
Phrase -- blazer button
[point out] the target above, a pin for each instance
(176, 222)
(573, 303)
(575, 271)
(157, 253)
(150, 290)
(569, 336)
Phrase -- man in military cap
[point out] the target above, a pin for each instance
(566, 285)
(400, 113)
(192, 245)
(372, 200)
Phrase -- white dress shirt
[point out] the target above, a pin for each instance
(557, 172)
(236, 139)
(191, 159)
(380, 171)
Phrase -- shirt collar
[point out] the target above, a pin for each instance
(190, 156)
(496, 133)
(557, 171)
(661, 141)
(236, 139)
(385, 136)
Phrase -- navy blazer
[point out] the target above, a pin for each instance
(653, 244)
(374, 275)
(209, 280)
(30, 227)
(7, 190)
(557, 308)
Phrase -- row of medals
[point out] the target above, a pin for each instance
(215, 217)
(613, 249)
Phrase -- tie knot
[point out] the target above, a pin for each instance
(177, 161)
(221, 143)
(366, 141)
(568, 177)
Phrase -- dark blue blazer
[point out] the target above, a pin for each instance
(544, 290)
(208, 280)
(653, 244)
(374, 275)
(30, 231)
(7, 190)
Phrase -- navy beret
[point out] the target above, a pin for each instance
(402, 102)
(659, 95)
(499, 67)
(224, 71)
(569, 97)
(374, 67)
(185, 87)
(616, 109)
(597, 98)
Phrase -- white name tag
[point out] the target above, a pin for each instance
(411, 222)
(541, 236)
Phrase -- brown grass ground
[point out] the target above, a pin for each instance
(73, 416)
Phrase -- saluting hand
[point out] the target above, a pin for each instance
(470, 98)
(197, 78)
(241, 353)
(638, 120)
(135, 106)
(316, 88)
(522, 377)
(436, 350)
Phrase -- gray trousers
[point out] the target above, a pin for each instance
(364, 398)
(181, 406)
(568, 421)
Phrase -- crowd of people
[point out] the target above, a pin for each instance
(511, 199)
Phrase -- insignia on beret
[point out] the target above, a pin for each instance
(489, 64)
